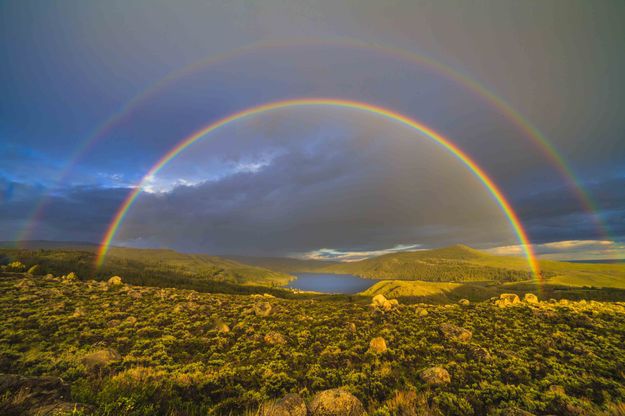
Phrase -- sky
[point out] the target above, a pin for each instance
(93, 94)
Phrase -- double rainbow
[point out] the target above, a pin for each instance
(523, 125)
(332, 102)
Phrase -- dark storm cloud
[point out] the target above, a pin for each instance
(557, 215)
(369, 188)
(67, 67)
(75, 214)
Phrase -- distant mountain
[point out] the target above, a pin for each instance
(284, 264)
(597, 261)
(48, 244)
(457, 263)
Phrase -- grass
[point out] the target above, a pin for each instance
(549, 358)
(404, 288)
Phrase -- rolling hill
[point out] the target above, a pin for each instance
(154, 267)
(450, 264)
(463, 264)
(452, 273)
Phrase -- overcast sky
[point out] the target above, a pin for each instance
(322, 181)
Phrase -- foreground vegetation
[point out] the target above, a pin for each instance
(129, 350)
(412, 291)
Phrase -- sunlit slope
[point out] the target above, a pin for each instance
(585, 274)
(201, 265)
(143, 266)
(463, 264)
(451, 264)
(400, 288)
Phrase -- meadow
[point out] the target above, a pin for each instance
(136, 350)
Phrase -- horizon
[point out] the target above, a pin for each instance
(340, 259)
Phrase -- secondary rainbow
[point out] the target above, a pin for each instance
(438, 67)
(332, 102)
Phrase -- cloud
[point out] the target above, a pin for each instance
(348, 256)
(76, 213)
(355, 188)
(569, 250)
(556, 215)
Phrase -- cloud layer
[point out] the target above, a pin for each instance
(299, 182)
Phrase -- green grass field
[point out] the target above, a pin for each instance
(137, 351)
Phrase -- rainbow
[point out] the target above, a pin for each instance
(370, 108)
(513, 116)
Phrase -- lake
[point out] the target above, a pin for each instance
(330, 283)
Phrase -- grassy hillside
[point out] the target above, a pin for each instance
(451, 264)
(585, 274)
(448, 292)
(464, 264)
(412, 288)
(150, 267)
(129, 350)
(284, 264)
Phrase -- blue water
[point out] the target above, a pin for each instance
(330, 283)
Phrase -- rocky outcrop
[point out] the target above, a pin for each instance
(435, 376)
(479, 353)
(336, 402)
(114, 281)
(41, 396)
(290, 405)
(262, 309)
(377, 345)
(530, 298)
(507, 299)
(455, 333)
(69, 278)
(274, 338)
(380, 302)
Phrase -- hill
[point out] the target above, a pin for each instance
(464, 264)
(150, 267)
(285, 264)
(450, 264)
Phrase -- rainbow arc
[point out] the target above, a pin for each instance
(424, 130)
(513, 116)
